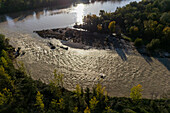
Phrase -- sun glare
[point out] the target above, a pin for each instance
(80, 12)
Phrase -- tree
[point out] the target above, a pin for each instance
(136, 92)
(165, 18)
(3, 62)
(134, 31)
(166, 31)
(87, 110)
(58, 105)
(93, 103)
(138, 42)
(112, 26)
(150, 28)
(153, 45)
(87, 95)
(75, 110)
(5, 97)
(79, 96)
(99, 91)
(39, 101)
(5, 79)
(2, 42)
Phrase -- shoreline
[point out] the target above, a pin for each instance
(123, 70)
(82, 39)
(86, 40)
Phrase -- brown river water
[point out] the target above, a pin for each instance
(122, 69)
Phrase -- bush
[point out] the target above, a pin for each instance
(138, 42)
(153, 45)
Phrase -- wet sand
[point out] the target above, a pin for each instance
(122, 69)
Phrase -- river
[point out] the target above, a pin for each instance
(122, 70)
(46, 18)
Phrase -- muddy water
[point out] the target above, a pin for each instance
(122, 70)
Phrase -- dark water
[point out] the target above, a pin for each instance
(29, 21)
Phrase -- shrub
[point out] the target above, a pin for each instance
(138, 42)
(154, 44)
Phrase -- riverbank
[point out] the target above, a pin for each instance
(82, 39)
(122, 70)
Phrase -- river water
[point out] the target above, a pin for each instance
(46, 18)
(121, 70)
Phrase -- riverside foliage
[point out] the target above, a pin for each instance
(21, 94)
(148, 20)
(7, 6)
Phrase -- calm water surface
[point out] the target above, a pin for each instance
(29, 21)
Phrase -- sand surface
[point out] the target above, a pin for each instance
(122, 69)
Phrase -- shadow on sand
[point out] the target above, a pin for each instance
(121, 53)
(165, 62)
(147, 57)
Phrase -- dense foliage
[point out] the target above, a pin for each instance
(20, 5)
(21, 94)
(148, 20)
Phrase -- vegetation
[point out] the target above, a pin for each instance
(138, 42)
(20, 5)
(136, 92)
(147, 20)
(19, 93)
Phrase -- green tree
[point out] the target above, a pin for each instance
(166, 31)
(165, 18)
(100, 91)
(5, 79)
(58, 79)
(134, 31)
(2, 42)
(87, 110)
(136, 92)
(75, 110)
(3, 62)
(5, 97)
(58, 105)
(150, 29)
(39, 101)
(138, 42)
(153, 45)
(87, 95)
(93, 103)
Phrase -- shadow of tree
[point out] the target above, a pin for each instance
(121, 53)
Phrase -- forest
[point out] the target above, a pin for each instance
(7, 6)
(146, 23)
(19, 93)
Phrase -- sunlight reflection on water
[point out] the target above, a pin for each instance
(29, 21)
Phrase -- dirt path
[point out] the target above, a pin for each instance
(122, 70)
